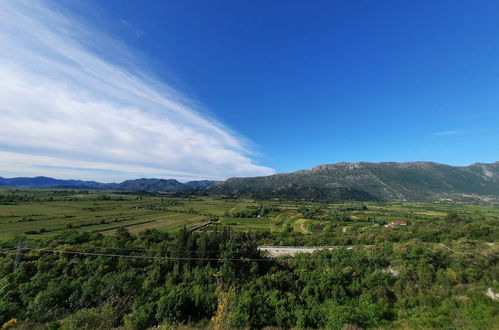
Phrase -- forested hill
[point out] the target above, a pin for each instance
(153, 185)
(375, 181)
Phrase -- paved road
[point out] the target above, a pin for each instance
(275, 251)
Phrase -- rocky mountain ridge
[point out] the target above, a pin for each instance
(386, 181)
(379, 181)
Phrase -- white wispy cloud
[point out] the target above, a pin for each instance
(445, 133)
(66, 108)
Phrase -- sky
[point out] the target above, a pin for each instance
(114, 90)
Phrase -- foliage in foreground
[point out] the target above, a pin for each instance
(210, 280)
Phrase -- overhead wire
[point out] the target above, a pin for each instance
(145, 257)
(135, 249)
(169, 257)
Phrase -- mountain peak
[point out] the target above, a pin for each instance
(416, 181)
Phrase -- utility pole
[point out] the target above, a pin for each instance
(19, 251)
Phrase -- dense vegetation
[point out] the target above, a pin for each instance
(439, 271)
(195, 278)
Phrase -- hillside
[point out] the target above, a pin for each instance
(390, 181)
(151, 185)
(46, 182)
(374, 181)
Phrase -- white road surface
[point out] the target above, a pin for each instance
(275, 251)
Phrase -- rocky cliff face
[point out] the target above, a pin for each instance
(382, 181)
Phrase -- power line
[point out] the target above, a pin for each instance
(260, 247)
(147, 257)
(135, 249)
(172, 258)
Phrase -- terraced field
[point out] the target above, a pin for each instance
(38, 213)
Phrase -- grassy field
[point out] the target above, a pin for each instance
(36, 213)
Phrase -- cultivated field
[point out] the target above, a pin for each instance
(36, 213)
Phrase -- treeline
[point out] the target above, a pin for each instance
(79, 225)
(17, 195)
(252, 211)
(337, 233)
(219, 279)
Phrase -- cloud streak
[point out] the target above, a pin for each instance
(65, 104)
(446, 133)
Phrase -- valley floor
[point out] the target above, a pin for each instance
(99, 260)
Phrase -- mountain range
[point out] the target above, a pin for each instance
(150, 185)
(390, 181)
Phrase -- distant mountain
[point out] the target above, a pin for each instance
(45, 182)
(415, 181)
(390, 181)
(151, 185)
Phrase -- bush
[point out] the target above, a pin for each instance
(141, 317)
(93, 318)
(174, 308)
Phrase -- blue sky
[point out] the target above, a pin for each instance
(255, 87)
